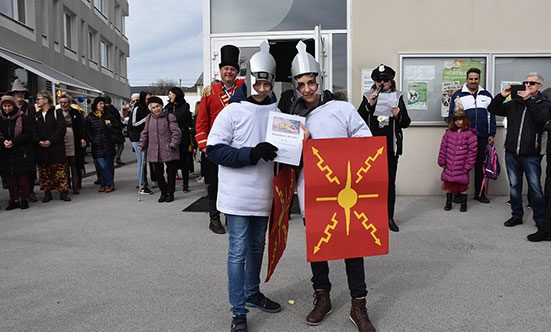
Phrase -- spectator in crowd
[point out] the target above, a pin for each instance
(390, 125)
(118, 137)
(215, 98)
(161, 137)
(179, 107)
(99, 127)
(522, 149)
(16, 152)
(236, 143)
(457, 157)
(74, 140)
(475, 101)
(136, 123)
(318, 106)
(48, 137)
(19, 92)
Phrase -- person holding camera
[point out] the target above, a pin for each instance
(475, 101)
(524, 113)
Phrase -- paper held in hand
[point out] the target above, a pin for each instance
(385, 102)
(284, 131)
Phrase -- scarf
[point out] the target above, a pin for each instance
(98, 113)
(18, 122)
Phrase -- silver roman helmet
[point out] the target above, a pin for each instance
(305, 63)
(261, 66)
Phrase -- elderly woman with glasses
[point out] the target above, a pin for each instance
(384, 110)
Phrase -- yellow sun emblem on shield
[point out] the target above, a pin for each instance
(346, 198)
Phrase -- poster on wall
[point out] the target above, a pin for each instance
(367, 82)
(454, 75)
(417, 95)
(448, 88)
(421, 73)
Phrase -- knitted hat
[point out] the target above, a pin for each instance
(8, 99)
(154, 99)
(229, 56)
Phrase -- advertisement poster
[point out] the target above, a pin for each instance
(367, 82)
(448, 88)
(417, 95)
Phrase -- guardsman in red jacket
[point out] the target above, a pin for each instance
(215, 98)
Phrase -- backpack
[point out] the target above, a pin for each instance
(490, 167)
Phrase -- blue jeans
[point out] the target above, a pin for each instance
(246, 248)
(104, 165)
(139, 156)
(531, 166)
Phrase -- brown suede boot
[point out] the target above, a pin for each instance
(47, 196)
(322, 307)
(358, 316)
(64, 197)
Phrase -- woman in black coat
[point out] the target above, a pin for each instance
(48, 138)
(97, 127)
(74, 140)
(180, 108)
(16, 152)
(389, 124)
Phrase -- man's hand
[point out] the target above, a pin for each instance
(506, 92)
(108, 123)
(491, 140)
(524, 94)
(8, 144)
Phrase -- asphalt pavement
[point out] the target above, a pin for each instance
(106, 262)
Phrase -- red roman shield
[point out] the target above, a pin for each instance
(284, 189)
(346, 189)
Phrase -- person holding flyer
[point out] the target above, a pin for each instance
(328, 118)
(237, 144)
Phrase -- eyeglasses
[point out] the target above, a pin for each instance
(530, 83)
(379, 80)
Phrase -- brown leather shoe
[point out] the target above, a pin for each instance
(47, 196)
(101, 189)
(358, 316)
(322, 307)
(64, 197)
(109, 189)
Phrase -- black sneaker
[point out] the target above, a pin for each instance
(262, 302)
(539, 236)
(146, 191)
(12, 205)
(24, 204)
(482, 199)
(513, 222)
(239, 323)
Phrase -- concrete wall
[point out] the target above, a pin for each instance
(382, 30)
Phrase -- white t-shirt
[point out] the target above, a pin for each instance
(244, 191)
(334, 119)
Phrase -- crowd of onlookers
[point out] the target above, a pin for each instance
(46, 143)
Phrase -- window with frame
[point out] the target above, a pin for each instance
(14, 9)
(91, 45)
(104, 49)
(68, 30)
(99, 5)
(427, 82)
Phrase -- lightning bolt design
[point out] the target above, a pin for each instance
(326, 239)
(368, 164)
(325, 168)
(367, 227)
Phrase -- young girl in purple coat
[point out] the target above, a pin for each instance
(457, 157)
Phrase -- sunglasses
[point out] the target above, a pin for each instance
(379, 80)
(530, 83)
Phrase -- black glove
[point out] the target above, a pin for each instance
(263, 150)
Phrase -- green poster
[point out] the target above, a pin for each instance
(456, 70)
(417, 95)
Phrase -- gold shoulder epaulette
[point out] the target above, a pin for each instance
(207, 91)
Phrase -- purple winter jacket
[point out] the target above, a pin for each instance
(457, 153)
(161, 136)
